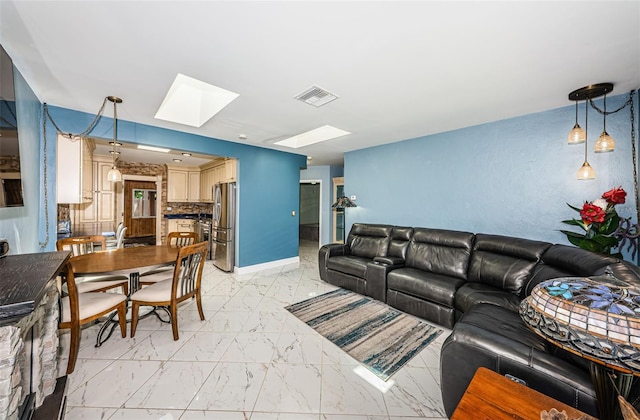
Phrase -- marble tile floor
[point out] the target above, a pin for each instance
(250, 359)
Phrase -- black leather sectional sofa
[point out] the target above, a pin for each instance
(472, 283)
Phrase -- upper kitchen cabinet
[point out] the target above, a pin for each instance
(102, 208)
(183, 184)
(74, 170)
(215, 172)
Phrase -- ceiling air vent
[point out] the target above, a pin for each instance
(316, 96)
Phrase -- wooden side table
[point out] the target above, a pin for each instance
(492, 396)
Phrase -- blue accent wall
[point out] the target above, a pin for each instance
(268, 181)
(23, 226)
(510, 177)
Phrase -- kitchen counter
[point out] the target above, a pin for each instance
(194, 216)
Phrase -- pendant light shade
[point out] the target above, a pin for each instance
(577, 134)
(586, 172)
(114, 175)
(605, 142)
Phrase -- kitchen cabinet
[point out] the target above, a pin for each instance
(181, 225)
(215, 172)
(183, 184)
(101, 208)
(207, 181)
(229, 170)
(74, 170)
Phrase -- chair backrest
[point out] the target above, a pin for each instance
(180, 239)
(187, 273)
(119, 228)
(120, 238)
(69, 278)
(80, 245)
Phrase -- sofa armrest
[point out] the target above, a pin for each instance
(326, 252)
(377, 271)
(396, 261)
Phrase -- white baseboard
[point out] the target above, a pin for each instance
(267, 265)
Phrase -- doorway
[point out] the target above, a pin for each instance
(310, 212)
(145, 228)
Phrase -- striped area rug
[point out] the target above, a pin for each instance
(376, 335)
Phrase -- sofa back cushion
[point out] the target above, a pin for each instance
(569, 261)
(504, 262)
(400, 239)
(439, 251)
(369, 241)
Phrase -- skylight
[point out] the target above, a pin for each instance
(193, 102)
(324, 133)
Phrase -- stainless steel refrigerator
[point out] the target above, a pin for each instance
(223, 229)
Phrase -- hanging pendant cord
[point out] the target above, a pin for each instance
(46, 116)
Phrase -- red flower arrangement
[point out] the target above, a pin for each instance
(599, 221)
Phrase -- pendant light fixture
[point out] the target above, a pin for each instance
(605, 142)
(586, 172)
(577, 134)
(587, 93)
(114, 174)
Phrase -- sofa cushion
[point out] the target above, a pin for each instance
(568, 261)
(472, 293)
(439, 251)
(356, 266)
(369, 241)
(424, 284)
(504, 262)
(400, 239)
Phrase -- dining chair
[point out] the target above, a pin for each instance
(181, 238)
(185, 284)
(113, 242)
(77, 309)
(119, 241)
(80, 245)
(174, 239)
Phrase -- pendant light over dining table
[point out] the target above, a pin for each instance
(114, 175)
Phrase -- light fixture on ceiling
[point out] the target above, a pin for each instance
(177, 160)
(153, 148)
(114, 175)
(587, 93)
(605, 142)
(186, 154)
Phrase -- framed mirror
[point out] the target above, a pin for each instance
(10, 178)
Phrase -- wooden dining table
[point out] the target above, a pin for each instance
(124, 259)
(130, 260)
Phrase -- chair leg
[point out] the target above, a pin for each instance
(125, 289)
(122, 318)
(199, 304)
(74, 347)
(135, 306)
(174, 320)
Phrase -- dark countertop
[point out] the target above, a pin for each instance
(194, 216)
(23, 282)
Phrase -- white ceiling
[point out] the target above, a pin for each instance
(401, 69)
